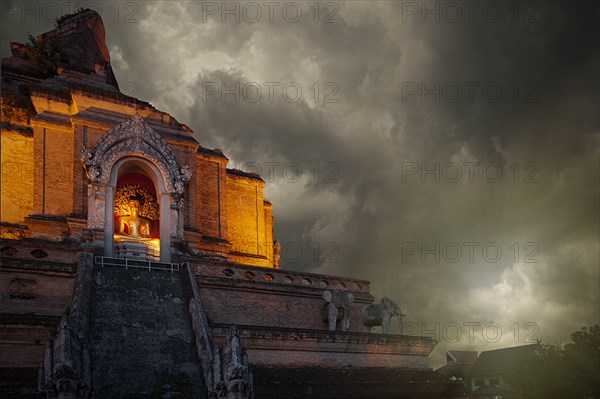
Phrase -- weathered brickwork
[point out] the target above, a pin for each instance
(22, 345)
(249, 221)
(224, 213)
(245, 295)
(36, 287)
(210, 195)
(47, 295)
(17, 175)
(140, 328)
(56, 183)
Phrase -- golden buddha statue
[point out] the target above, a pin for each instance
(137, 226)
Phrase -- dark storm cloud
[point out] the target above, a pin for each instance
(362, 208)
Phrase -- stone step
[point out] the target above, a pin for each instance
(141, 335)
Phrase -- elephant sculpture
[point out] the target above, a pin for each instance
(337, 309)
(380, 314)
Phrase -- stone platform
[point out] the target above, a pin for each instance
(137, 251)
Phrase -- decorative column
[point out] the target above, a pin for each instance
(96, 207)
(165, 227)
(109, 220)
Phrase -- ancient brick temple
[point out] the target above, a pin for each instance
(135, 264)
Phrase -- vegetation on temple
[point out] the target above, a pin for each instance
(62, 18)
(43, 54)
(563, 371)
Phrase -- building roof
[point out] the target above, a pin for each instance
(465, 357)
(503, 360)
(215, 152)
(251, 175)
(458, 363)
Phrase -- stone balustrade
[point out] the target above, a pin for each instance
(278, 276)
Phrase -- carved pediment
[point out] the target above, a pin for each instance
(134, 137)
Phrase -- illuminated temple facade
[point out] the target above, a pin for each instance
(78, 151)
(136, 264)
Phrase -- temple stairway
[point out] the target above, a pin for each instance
(141, 340)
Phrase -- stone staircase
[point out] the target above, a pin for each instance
(140, 334)
(141, 339)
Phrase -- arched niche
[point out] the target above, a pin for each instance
(134, 184)
(166, 218)
(134, 145)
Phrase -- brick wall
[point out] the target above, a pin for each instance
(250, 222)
(17, 175)
(210, 196)
(42, 174)
(34, 293)
(22, 345)
(246, 295)
(54, 177)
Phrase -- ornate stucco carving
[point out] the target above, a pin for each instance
(134, 138)
(92, 190)
(66, 369)
(96, 220)
(174, 223)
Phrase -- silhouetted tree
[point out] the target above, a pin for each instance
(569, 371)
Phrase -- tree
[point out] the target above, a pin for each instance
(583, 355)
(43, 54)
(557, 371)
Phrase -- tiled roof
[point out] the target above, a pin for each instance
(502, 360)
(467, 357)
(238, 172)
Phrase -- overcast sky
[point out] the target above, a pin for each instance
(447, 152)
